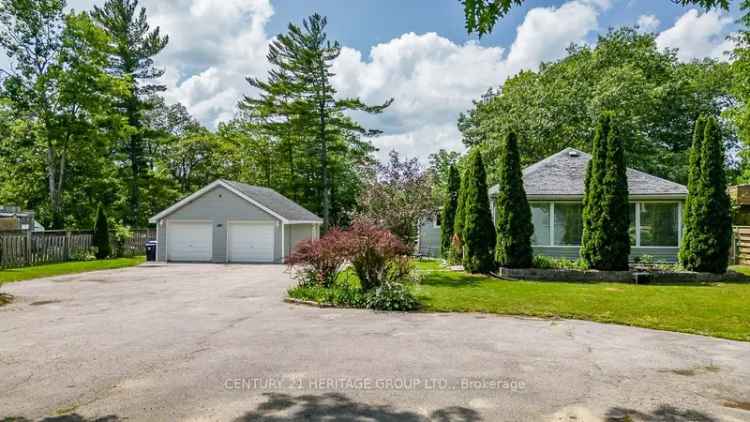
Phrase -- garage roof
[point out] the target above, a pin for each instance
(275, 201)
(270, 201)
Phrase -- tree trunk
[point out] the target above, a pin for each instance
(325, 183)
(54, 182)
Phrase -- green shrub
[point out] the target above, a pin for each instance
(100, 238)
(645, 260)
(122, 234)
(551, 263)
(83, 254)
(591, 238)
(392, 297)
(513, 217)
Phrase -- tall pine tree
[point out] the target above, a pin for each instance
(592, 237)
(134, 45)
(513, 214)
(478, 230)
(448, 214)
(615, 217)
(711, 219)
(686, 256)
(298, 103)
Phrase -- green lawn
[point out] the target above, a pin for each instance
(714, 309)
(28, 273)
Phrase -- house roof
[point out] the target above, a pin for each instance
(563, 175)
(270, 201)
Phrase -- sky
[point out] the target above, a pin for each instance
(415, 51)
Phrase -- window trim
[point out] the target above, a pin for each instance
(638, 224)
(637, 203)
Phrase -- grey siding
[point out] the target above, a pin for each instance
(295, 233)
(666, 254)
(429, 239)
(219, 206)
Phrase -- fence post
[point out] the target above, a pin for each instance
(28, 248)
(66, 246)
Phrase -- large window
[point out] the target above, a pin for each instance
(658, 222)
(568, 223)
(540, 216)
(652, 224)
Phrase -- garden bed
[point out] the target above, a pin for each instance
(636, 276)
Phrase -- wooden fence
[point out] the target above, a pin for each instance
(23, 248)
(740, 253)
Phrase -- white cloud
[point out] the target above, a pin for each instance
(648, 23)
(213, 47)
(698, 35)
(433, 79)
(547, 31)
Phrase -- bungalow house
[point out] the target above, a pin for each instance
(555, 187)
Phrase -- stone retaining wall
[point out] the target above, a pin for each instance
(639, 277)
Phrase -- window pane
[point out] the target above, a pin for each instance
(631, 230)
(658, 224)
(568, 224)
(540, 218)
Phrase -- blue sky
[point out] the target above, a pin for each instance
(415, 51)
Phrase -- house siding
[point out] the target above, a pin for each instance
(429, 239)
(219, 206)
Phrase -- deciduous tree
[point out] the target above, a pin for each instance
(482, 15)
(655, 98)
(398, 197)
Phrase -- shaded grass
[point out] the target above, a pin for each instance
(73, 267)
(713, 309)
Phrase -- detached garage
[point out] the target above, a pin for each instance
(230, 221)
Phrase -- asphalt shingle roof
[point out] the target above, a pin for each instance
(275, 201)
(564, 173)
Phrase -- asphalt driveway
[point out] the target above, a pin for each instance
(215, 342)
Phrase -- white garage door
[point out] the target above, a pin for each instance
(189, 241)
(250, 242)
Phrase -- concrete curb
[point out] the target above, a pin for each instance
(308, 303)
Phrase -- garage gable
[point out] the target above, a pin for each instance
(220, 201)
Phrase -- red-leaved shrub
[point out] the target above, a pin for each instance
(320, 261)
(371, 248)
(368, 247)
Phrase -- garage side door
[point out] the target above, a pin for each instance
(250, 242)
(189, 241)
